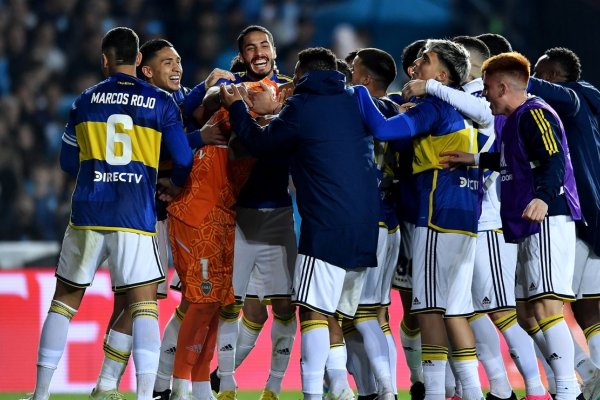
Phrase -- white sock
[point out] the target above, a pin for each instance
(117, 350)
(411, 345)
(468, 375)
(336, 369)
(377, 350)
(488, 352)
(180, 388)
(226, 344)
(314, 352)
(450, 381)
(360, 370)
(146, 346)
(434, 371)
(201, 390)
(521, 349)
(52, 346)
(584, 366)
(393, 355)
(168, 346)
(560, 356)
(593, 340)
(283, 333)
(249, 332)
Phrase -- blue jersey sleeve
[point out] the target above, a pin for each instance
(69, 135)
(415, 121)
(564, 100)
(176, 141)
(273, 138)
(193, 99)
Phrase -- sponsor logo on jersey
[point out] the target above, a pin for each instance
(127, 177)
(472, 184)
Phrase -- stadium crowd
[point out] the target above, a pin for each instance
(472, 191)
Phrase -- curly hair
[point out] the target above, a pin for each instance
(568, 61)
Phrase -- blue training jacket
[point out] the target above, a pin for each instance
(331, 151)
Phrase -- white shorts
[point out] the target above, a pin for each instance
(403, 274)
(325, 288)
(586, 277)
(133, 259)
(546, 261)
(443, 272)
(378, 281)
(162, 237)
(493, 285)
(175, 282)
(265, 248)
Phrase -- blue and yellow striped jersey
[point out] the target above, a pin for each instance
(117, 127)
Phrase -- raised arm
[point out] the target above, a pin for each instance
(476, 108)
(413, 122)
(564, 100)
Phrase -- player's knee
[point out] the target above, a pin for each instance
(230, 312)
(283, 308)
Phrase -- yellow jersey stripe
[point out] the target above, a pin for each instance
(92, 139)
(548, 129)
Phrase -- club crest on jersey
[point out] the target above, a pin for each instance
(206, 287)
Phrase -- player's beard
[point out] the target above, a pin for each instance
(260, 75)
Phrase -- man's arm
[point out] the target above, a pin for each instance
(564, 100)
(475, 108)
(278, 136)
(416, 120)
(541, 134)
(69, 151)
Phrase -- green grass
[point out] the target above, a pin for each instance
(245, 395)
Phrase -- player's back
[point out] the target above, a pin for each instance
(118, 126)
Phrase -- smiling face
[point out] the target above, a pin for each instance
(494, 91)
(164, 70)
(258, 54)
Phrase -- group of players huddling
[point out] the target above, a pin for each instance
(461, 192)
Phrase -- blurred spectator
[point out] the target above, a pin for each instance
(49, 52)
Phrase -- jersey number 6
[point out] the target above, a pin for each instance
(113, 137)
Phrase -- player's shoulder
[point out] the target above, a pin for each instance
(281, 78)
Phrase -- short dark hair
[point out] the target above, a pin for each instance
(411, 52)
(473, 44)
(496, 43)
(149, 50)
(380, 63)
(237, 65)
(351, 56)
(344, 68)
(253, 28)
(568, 61)
(316, 59)
(121, 46)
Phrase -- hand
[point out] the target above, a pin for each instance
(284, 93)
(217, 74)
(263, 102)
(536, 210)
(456, 159)
(167, 190)
(405, 107)
(229, 95)
(414, 88)
(212, 134)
